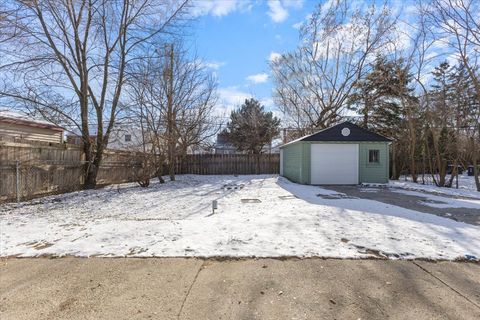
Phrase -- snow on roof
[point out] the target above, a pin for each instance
(24, 119)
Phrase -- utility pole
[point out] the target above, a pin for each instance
(170, 117)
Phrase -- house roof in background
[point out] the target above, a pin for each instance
(11, 117)
(334, 133)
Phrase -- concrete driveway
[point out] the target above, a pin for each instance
(415, 201)
(179, 288)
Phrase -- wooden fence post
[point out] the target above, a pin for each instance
(17, 169)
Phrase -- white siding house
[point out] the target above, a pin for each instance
(15, 126)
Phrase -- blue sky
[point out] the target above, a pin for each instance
(237, 37)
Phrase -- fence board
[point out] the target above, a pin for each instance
(50, 169)
(210, 164)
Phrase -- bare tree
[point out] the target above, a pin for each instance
(456, 23)
(69, 61)
(313, 83)
(173, 96)
(8, 22)
(410, 46)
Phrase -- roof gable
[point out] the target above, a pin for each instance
(354, 133)
(10, 117)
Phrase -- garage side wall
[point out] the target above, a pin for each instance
(293, 162)
(373, 172)
(306, 163)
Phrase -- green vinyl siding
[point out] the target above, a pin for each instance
(292, 162)
(373, 172)
(296, 161)
(305, 178)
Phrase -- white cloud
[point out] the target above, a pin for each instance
(274, 56)
(229, 99)
(258, 78)
(276, 11)
(300, 24)
(232, 96)
(215, 65)
(267, 103)
(297, 25)
(296, 4)
(219, 8)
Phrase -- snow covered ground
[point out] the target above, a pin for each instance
(466, 186)
(263, 216)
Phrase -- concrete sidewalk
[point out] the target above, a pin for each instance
(177, 288)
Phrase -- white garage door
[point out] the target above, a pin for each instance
(334, 164)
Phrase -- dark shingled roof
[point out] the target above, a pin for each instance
(335, 134)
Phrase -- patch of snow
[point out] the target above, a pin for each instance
(175, 219)
(466, 187)
(436, 201)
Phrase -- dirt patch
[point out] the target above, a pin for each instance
(289, 197)
(136, 250)
(251, 200)
(336, 196)
(381, 254)
(38, 245)
(233, 186)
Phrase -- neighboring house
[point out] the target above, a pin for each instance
(77, 139)
(122, 137)
(223, 146)
(342, 154)
(19, 126)
(126, 137)
(273, 147)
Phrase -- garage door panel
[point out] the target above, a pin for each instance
(334, 163)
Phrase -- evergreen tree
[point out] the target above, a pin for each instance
(441, 94)
(251, 128)
(382, 98)
(376, 97)
(464, 99)
(448, 100)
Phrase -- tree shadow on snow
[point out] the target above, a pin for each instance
(349, 207)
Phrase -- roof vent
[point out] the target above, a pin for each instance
(345, 132)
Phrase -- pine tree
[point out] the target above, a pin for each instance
(441, 94)
(464, 99)
(376, 97)
(251, 127)
(381, 98)
(445, 101)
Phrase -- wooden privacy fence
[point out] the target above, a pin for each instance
(29, 179)
(29, 171)
(228, 164)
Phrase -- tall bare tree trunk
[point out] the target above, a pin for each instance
(475, 166)
(170, 120)
(394, 162)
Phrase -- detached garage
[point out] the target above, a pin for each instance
(342, 154)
